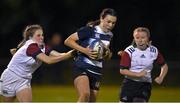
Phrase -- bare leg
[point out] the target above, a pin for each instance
(82, 86)
(8, 99)
(25, 95)
(93, 95)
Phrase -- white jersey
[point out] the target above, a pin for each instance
(22, 64)
(142, 60)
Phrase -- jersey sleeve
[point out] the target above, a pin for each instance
(85, 32)
(47, 50)
(125, 61)
(160, 59)
(33, 50)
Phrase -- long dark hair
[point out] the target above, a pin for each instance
(103, 14)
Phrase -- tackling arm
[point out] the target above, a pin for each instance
(54, 59)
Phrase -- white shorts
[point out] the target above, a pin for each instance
(12, 83)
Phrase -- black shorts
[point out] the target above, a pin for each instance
(132, 89)
(94, 80)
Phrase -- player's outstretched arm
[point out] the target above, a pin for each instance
(160, 78)
(55, 58)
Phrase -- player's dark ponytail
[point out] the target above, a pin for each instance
(103, 14)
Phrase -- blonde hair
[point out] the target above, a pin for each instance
(27, 34)
(142, 29)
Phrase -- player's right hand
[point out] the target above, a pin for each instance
(142, 73)
(91, 54)
(158, 80)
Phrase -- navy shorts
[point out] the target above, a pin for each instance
(133, 89)
(94, 80)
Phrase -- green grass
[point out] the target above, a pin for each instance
(106, 94)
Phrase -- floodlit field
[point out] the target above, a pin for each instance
(106, 94)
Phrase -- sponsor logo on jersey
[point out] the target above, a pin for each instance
(143, 56)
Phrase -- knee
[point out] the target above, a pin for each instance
(85, 95)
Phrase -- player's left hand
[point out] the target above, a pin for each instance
(158, 80)
(13, 51)
(120, 53)
(107, 54)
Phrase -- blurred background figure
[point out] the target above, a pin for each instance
(55, 76)
(56, 42)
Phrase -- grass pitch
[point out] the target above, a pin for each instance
(106, 94)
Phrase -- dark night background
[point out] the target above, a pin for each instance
(162, 17)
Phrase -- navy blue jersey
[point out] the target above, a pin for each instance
(86, 36)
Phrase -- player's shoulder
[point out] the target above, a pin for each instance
(130, 49)
(30, 42)
(86, 28)
(153, 48)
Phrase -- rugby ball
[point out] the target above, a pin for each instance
(97, 45)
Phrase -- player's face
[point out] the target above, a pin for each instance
(38, 37)
(108, 23)
(141, 39)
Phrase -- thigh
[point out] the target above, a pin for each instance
(8, 99)
(24, 95)
(81, 83)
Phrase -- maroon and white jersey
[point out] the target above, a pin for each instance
(24, 61)
(137, 60)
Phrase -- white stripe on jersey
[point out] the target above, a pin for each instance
(93, 62)
(93, 72)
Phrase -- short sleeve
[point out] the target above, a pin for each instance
(160, 59)
(85, 32)
(125, 60)
(33, 50)
(47, 50)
